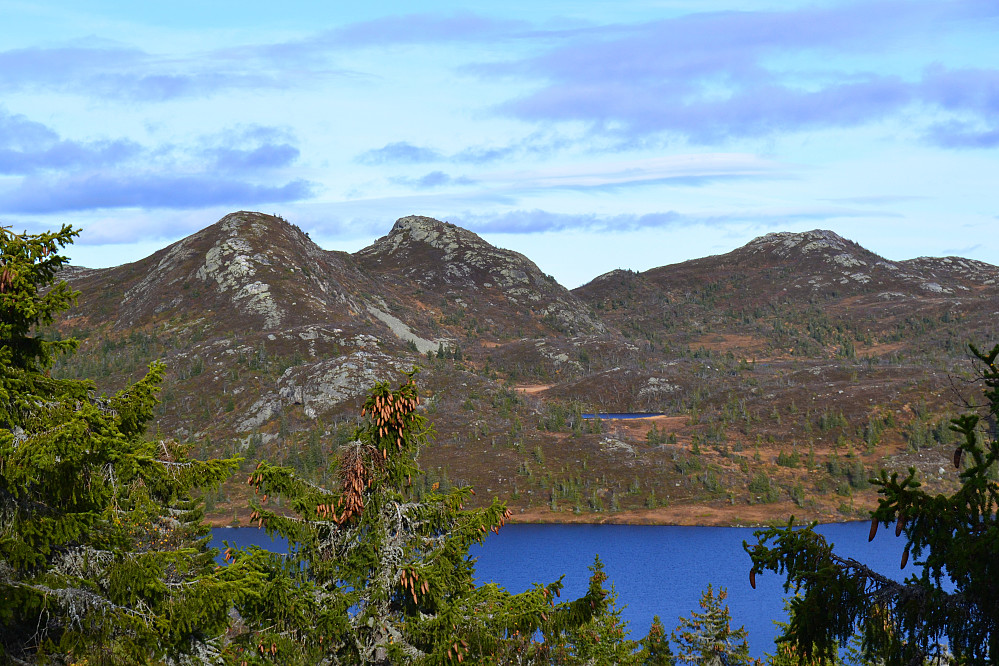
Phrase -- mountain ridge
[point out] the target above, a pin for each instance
(271, 342)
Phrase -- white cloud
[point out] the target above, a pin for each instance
(690, 169)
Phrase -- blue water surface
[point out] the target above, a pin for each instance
(621, 415)
(663, 570)
(244, 537)
(656, 570)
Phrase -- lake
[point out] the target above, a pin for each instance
(656, 570)
(618, 416)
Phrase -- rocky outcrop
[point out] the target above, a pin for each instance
(235, 268)
(492, 282)
(322, 386)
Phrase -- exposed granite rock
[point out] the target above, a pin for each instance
(323, 385)
(403, 332)
(449, 260)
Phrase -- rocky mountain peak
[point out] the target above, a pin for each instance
(456, 263)
(968, 272)
(438, 254)
(258, 269)
(430, 230)
(452, 242)
(819, 251)
(817, 241)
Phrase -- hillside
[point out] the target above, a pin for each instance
(785, 371)
(804, 294)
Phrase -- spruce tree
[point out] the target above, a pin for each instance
(102, 554)
(379, 571)
(601, 640)
(707, 637)
(655, 650)
(955, 537)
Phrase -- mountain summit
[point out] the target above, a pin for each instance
(502, 288)
(249, 270)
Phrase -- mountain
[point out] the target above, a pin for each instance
(502, 293)
(786, 371)
(804, 294)
(249, 270)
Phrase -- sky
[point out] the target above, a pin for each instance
(587, 135)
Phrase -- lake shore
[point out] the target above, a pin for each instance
(703, 515)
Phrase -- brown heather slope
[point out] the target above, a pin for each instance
(787, 371)
(802, 294)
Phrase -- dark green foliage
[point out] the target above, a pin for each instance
(379, 577)
(792, 459)
(103, 556)
(28, 299)
(955, 536)
(559, 416)
(28, 265)
(657, 437)
(786, 654)
(707, 637)
(601, 640)
(765, 490)
(655, 647)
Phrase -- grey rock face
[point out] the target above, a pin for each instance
(444, 257)
(321, 386)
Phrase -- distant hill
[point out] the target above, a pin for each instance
(786, 370)
(841, 295)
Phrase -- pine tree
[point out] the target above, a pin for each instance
(655, 646)
(601, 640)
(379, 573)
(102, 554)
(956, 537)
(707, 638)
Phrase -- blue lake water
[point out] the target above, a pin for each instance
(656, 570)
(622, 415)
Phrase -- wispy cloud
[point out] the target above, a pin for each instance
(54, 174)
(96, 191)
(67, 67)
(536, 144)
(399, 152)
(958, 134)
(707, 77)
(422, 29)
(111, 70)
(433, 179)
(682, 170)
(27, 147)
(712, 77)
(126, 73)
(967, 92)
(541, 221)
(539, 144)
(879, 199)
(250, 149)
(962, 251)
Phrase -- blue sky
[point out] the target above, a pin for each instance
(587, 135)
